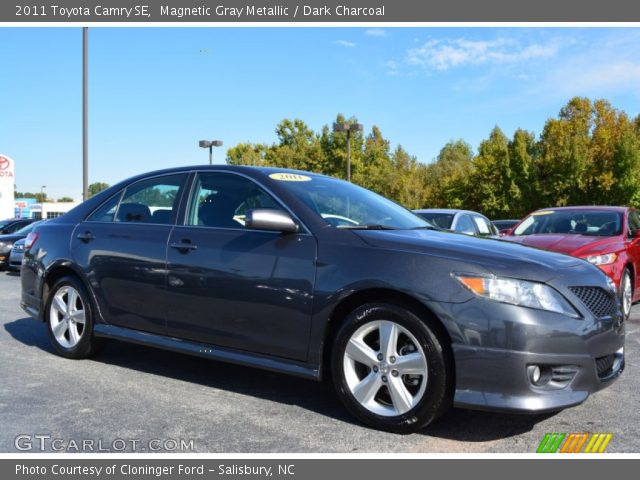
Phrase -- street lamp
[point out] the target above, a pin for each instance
(349, 128)
(42, 197)
(210, 144)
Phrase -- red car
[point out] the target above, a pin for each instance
(608, 237)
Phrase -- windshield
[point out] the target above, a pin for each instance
(574, 222)
(442, 220)
(345, 205)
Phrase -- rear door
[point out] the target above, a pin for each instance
(122, 247)
(237, 287)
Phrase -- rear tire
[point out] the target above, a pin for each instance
(390, 369)
(69, 315)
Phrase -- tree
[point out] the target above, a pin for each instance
(65, 199)
(495, 192)
(522, 154)
(96, 188)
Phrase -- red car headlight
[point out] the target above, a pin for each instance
(603, 259)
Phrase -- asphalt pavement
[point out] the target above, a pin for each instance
(130, 397)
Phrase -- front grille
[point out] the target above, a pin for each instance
(597, 300)
(604, 365)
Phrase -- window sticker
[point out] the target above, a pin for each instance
(290, 177)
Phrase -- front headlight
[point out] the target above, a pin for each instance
(518, 292)
(606, 259)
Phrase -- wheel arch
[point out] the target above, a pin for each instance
(54, 273)
(379, 295)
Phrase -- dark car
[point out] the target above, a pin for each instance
(7, 241)
(13, 224)
(239, 264)
(608, 237)
(505, 226)
(15, 257)
(461, 221)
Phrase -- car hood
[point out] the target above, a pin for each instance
(570, 244)
(478, 254)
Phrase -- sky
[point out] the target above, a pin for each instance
(154, 92)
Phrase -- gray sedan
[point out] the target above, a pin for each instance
(461, 221)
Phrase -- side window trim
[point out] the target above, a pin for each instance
(186, 212)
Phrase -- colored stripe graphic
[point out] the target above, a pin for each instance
(573, 442)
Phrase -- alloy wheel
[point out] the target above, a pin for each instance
(67, 316)
(627, 293)
(385, 368)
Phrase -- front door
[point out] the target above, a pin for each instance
(236, 287)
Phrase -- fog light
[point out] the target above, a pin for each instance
(535, 373)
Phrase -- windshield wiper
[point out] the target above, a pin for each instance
(426, 227)
(367, 226)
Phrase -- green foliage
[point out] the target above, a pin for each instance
(65, 199)
(97, 187)
(589, 154)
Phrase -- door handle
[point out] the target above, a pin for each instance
(183, 247)
(86, 236)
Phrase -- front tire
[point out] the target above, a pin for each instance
(70, 319)
(390, 369)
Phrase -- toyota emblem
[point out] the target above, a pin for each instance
(4, 163)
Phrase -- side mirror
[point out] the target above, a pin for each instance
(270, 219)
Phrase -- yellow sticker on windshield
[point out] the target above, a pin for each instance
(546, 212)
(290, 177)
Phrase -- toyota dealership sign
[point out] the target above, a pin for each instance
(7, 181)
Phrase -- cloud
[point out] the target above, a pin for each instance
(376, 32)
(393, 68)
(599, 77)
(345, 43)
(451, 53)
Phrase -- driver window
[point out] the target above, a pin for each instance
(222, 200)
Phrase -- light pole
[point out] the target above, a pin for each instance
(349, 128)
(85, 113)
(210, 144)
(42, 197)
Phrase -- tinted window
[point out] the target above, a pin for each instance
(107, 210)
(465, 225)
(222, 200)
(149, 201)
(442, 220)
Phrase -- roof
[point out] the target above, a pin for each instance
(604, 208)
(446, 211)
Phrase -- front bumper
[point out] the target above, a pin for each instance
(489, 379)
(15, 260)
(494, 345)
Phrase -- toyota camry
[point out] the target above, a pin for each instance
(247, 265)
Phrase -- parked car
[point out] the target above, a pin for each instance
(15, 257)
(504, 226)
(7, 241)
(608, 237)
(13, 224)
(407, 319)
(461, 221)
